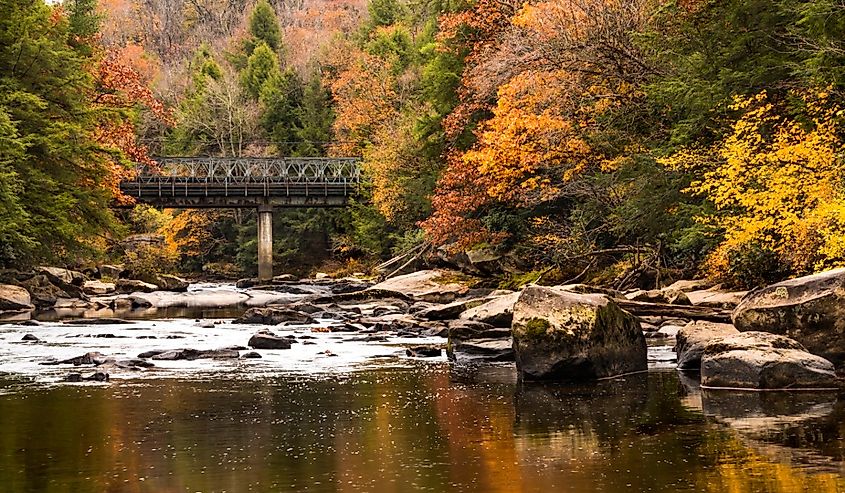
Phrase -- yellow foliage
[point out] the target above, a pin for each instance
(776, 182)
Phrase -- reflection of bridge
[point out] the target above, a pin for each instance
(262, 183)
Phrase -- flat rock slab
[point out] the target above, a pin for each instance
(474, 350)
(497, 312)
(436, 286)
(766, 369)
(691, 340)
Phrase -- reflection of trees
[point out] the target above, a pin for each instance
(400, 430)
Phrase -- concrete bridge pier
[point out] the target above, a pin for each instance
(265, 242)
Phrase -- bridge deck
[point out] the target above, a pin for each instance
(246, 182)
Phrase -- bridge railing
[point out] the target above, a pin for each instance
(248, 170)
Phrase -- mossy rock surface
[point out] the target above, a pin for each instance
(560, 335)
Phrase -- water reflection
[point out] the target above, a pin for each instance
(430, 428)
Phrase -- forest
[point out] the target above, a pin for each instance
(620, 142)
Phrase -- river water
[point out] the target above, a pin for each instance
(373, 420)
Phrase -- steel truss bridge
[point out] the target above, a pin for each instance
(245, 182)
(256, 182)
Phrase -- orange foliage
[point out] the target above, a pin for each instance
(121, 87)
(554, 70)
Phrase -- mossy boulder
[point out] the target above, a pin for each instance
(809, 309)
(560, 335)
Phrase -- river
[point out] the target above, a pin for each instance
(371, 419)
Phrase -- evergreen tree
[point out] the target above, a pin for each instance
(316, 116)
(264, 28)
(50, 165)
(384, 13)
(281, 96)
(261, 66)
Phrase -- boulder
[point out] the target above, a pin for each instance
(168, 282)
(588, 289)
(98, 288)
(450, 310)
(497, 312)
(66, 275)
(268, 340)
(716, 297)
(274, 316)
(14, 298)
(110, 271)
(30, 337)
(763, 361)
(42, 292)
(92, 358)
(436, 286)
(666, 296)
(251, 355)
(809, 309)
(126, 286)
(686, 286)
(691, 340)
(559, 335)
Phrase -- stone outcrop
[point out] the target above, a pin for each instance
(65, 275)
(809, 309)
(691, 340)
(44, 293)
(763, 361)
(14, 298)
(497, 312)
(559, 335)
(436, 286)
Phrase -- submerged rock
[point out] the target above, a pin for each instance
(251, 355)
(94, 377)
(30, 337)
(193, 354)
(760, 360)
(97, 321)
(424, 352)
(809, 309)
(691, 340)
(274, 316)
(268, 340)
(559, 335)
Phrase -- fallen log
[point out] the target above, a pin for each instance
(676, 311)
